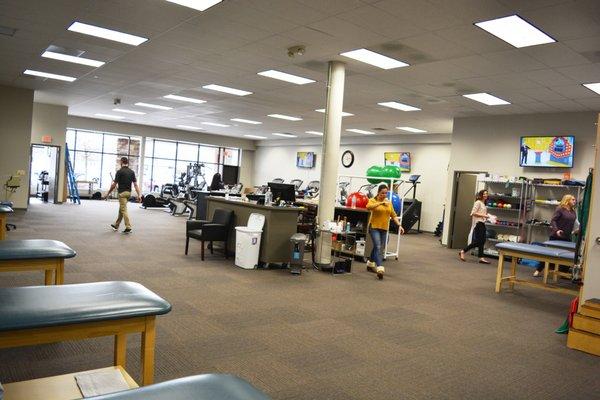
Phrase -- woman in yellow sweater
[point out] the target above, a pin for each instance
(381, 212)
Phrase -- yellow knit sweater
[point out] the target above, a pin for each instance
(381, 214)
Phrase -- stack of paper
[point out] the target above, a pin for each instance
(101, 382)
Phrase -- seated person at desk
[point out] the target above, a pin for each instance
(217, 182)
(381, 212)
(562, 223)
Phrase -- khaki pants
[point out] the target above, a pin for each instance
(123, 199)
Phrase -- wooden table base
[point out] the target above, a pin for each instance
(119, 328)
(2, 226)
(54, 268)
(512, 278)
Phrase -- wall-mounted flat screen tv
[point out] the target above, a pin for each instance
(547, 151)
(305, 159)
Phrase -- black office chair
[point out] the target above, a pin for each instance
(216, 230)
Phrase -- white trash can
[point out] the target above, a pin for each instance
(247, 241)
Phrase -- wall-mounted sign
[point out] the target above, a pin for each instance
(46, 139)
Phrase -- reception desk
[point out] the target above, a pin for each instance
(280, 225)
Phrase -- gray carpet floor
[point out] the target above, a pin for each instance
(432, 329)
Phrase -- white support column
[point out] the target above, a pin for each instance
(331, 140)
(141, 161)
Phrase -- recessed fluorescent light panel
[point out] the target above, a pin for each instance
(49, 75)
(282, 76)
(107, 34)
(486, 98)
(344, 113)
(516, 31)
(399, 106)
(376, 59)
(73, 59)
(109, 116)
(195, 128)
(128, 111)
(286, 117)
(361, 131)
(317, 133)
(288, 135)
(595, 87)
(215, 124)
(199, 5)
(255, 136)
(246, 121)
(155, 106)
(410, 129)
(183, 98)
(226, 89)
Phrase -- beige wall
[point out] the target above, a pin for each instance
(16, 107)
(430, 160)
(51, 120)
(492, 144)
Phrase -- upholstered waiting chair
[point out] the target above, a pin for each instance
(216, 230)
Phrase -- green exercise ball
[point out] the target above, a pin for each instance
(391, 171)
(374, 173)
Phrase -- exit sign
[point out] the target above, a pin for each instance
(46, 139)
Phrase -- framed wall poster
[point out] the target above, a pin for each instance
(399, 159)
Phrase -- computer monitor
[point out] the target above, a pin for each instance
(283, 191)
(230, 174)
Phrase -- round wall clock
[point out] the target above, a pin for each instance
(347, 159)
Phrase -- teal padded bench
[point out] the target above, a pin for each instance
(200, 387)
(35, 315)
(4, 210)
(561, 244)
(547, 255)
(34, 255)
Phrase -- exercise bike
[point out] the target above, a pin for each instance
(343, 187)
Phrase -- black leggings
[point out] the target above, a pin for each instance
(478, 239)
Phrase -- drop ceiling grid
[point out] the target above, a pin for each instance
(450, 57)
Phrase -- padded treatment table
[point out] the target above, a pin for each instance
(47, 314)
(36, 254)
(4, 210)
(561, 244)
(547, 255)
(199, 387)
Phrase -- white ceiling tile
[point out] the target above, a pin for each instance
(435, 46)
(421, 13)
(567, 20)
(547, 77)
(515, 60)
(574, 92)
(555, 55)
(582, 73)
(384, 23)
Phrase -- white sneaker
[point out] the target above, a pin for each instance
(380, 271)
(536, 273)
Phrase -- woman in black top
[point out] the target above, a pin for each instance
(562, 224)
(217, 182)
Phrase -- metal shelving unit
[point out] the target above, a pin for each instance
(544, 200)
(513, 192)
